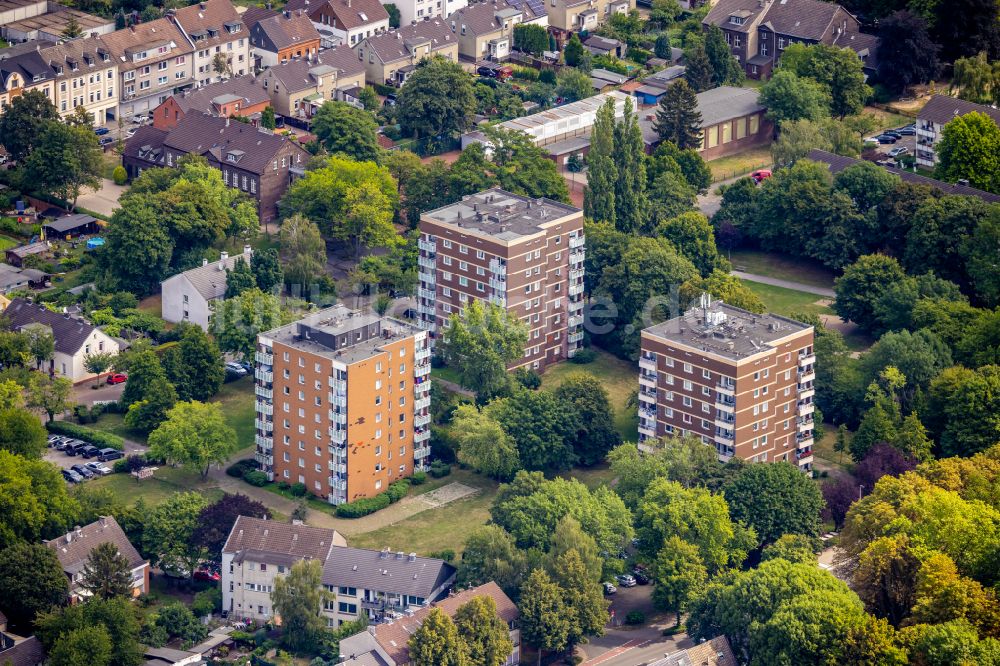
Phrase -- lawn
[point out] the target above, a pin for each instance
(823, 449)
(740, 164)
(447, 374)
(165, 482)
(620, 378)
(109, 161)
(888, 119)
(786, 301)
(6, 242)
(782, 267)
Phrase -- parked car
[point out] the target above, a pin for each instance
(106, 141)
(886, 138)
(71, 476)
(871, 142)
(98, 468)
(893, 133)
(760, 175)
(390, 100)
(83, 471)
(74, 447)
(130, 132)
(246, 365)
(53, 440)
(235, 369)
(60, 443)
(140, 119)
(207, 575)
(609, 588)
(626, 580)
(109, 454)
(117, 378)
(89, 451)
(101, 131)
(641, 577)
(906, 130)
(898, 150)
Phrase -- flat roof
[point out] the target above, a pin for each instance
(565, 112)
(59, 20)
(724, 330)
(333, 332)
(501, 214)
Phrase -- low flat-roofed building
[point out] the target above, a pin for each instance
(78, 224)
(51, 25)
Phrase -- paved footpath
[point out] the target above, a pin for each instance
(787, 284)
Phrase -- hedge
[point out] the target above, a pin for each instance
(104, 440)
(366, 505)
(255, 478)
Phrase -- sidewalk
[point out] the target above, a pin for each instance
(787, 284)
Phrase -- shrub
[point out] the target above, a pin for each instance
(526, 73)
(447, 555)
(240, 468)
(547, 76)
(98, 438)
(119, 175)
(120, 466)
(528, 378)
(363, 506)
(298, 489)
(638, 55)
(635, 617)
(283, 485)
(255, 478)
(440, 469)
(419, 478)
(583, 356)
(397, 491)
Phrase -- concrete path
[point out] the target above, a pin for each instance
(453, 387)
(103, 201)
(787, 284)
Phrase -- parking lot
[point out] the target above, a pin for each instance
(65, 461)
(908, 142)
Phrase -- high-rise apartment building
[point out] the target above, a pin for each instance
(523, 254)
(343, 401)
(743, 382)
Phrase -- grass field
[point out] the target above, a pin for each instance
(6, 243)
(782, 267)
(740, 164)
(620, 378)
(823, 449)
(786, 301)
(165, 482)
(447, 374)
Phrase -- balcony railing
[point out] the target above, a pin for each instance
(264, 358)
(421, 420)
(337, 436)
(647, 379)
(575, 274)
(421, 435)
(575, 337)
(498, 300)
(575, 288)
(265, 408)
(726, 389)
(421, 452)
(426, 262)
(338, 483)
(426, 293)
(577, 241)
(422, 404)
(647, 363)
(263, 425)
(421, 354)
(264, 443)
(262, 392)
(575, 320)
(427, 246)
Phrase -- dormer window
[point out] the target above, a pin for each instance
(736, 20)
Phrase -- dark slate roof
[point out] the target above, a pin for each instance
(28, 652)
(480, 18)
(29, 65)
(396, 573)
(74, 547)
(531, 8)
(268, 540)
(69, 333)
(725, 103)
(244, 87)
(720, 13)
(284, 31)
(200, 134)
(394, 45)
(806, 19)
(146, 144)
(70, 222)
(297, 74)
(210, 15)
(942, 109)
(838, 163)
(254, 15)
(350, 13)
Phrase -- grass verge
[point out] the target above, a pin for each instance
(779, 300)
(165, 482)
(782, 267)
(620, 379)
(740, 164)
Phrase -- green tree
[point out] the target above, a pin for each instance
(147, 413)
(137, 250)
(437, 641)
(978, 393)
(544, 617)
(491, 555)
(22, 433)
(796, 548)
(723, 286)
(679, 574)
(906, 54)
(437, 101)
(33, 581)
(303, 250)
(691, 234)
(368, 221)
(569, 535)
(195, 435)
(298, 598)
(87, 646)
(593, 432)
(369, 99)
(483, 445)
(267, 119)
(168, 530)
(394, 16)
(236, 322)
(107, 573)
(602, 169)
(661, 47)
(52, 395)
(978, 260)
(791, 97)
(970, 149)
(573, 84)
(530, 38)
(348, 130)
(34, 503)
(630, 203)
(698, 72)
(267, 271)
(118, 617)
(98, 363)
(64, 160)
(775, 499)
(22, 122)
(485, 634)
(583, 597)
(179, 622)
(955, 642)
(838, 70)
(725, 69)
(239, 279)
(540, 426)
(878, 425)
(663, 13)
(41, 344)
(861, 285)
(573, 51)
(195, 366)
(677, 117)
(480, 343)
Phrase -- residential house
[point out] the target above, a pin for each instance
(569, 16)
(74, 337)
(85, 75)
(280, 37)
(388, 644)
(938, 112)
(188, 296)
(52, 25)
(348, 21)
(758, 31)
(382, 585)
(532, 11)
(485, 30)
(258, 162)
(239, 96)
(23, 68)
(299, 87)
(837, 163)
(154, 62)
(364, 421)
(411, 11)
(605, 46)
(741, 382)
(220, 41)
(392, 56)
(732, 120)
(73, 550)
(604, 80)
(714, 652)
(19, 651)
(257, 551)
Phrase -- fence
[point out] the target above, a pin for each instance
(742, 171)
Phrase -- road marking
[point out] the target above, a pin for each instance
(617, 652)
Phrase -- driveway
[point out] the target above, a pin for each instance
(83, 394)
(103, 201)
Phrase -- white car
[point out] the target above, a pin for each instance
(900, 150)
(99, 468)
(130, 132)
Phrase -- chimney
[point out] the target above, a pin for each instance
(132, 27)
(384, 554)
(413, 557)
(222, 260)
(247, 249)
(399, 555)
(79, 532)
(104, 521)
(204, 262)
(69, 537)
(227, 121)
(287, 14)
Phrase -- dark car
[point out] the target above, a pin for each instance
(246, 366)
(106, 455)
(488, 72)
(893, 133)
(89, 451)
(106, 140)
(907, 130)
(71, 476)
(83, 471)
(206, 575)
(101, 131)
(74, 447)
(390, 100)
(641, 576)
(886, 138)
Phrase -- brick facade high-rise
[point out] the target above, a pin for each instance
(743, 382)
(523, 254)
(343, 402)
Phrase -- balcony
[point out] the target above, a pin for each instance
(806, 360)
(421, 370)
(425, 309)
(727, 389)
(647, 380)
(575, 320)
(264, 358)
(264, 393)
(575, 275)
(806, 408)
(577, 255)
(421, 420)
(806, 392)
(337, 436)
(338, 483)
(426, 293)
(646, 394)
(646, 431)
(498, 266)
(648, 364)
(575, 337)
(265, 408)
(575, 288)
(426, 262)
(339, 453)
(725, 406)
(421, 390)
(421, 435)
(421, 452)
(724, 423)
(263, 376)
(499, 284)
(421, 354)
(264, 443)
(648, 412)
(577, 241)
(427, 246)
(498, 299)
(805, 425)
(575, 306)
(807, 376)
(263, 459)
(338, 468)
(338, 416)
(422, 404)
(263, 425)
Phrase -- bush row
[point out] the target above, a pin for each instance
(98, 438)
(367, 505)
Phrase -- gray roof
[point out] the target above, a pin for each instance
(263, 540)
(394, 573)
(395, 44)
(69, 333)
(726, 103)
(608, 76)
(715, 652)
(501, 214)
(27, 652)
(942, 109)
(70, 222)
(209, 280)
(725, 330)
(245, 87)
(37, 247)
(73, 548)
(299, 74)
(665, 77)
(805, 19)
(15, 278)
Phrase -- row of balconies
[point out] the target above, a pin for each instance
(577, 241)
(575, 288)
(647, 363)
(264, 460)
(264, 408)
(264, 358)
(338, 483)
(427, 246)
(421, 434)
